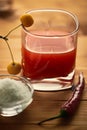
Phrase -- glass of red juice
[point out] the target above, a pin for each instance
(49, 49)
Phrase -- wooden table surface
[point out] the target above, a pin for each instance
(45, 104)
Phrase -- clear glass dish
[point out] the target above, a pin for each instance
(16, 93)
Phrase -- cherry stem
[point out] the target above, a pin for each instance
(10, 51)
(12, 31)
(6, 40)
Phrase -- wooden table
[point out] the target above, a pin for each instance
(45, 104)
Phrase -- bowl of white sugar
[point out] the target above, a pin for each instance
(16, 94)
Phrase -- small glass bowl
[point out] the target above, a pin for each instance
(16, 93)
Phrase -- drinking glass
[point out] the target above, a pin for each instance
(49, 49)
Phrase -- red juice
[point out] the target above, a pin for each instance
(48, 58)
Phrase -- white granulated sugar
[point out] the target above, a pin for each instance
(13, 92)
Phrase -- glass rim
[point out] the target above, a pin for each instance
(74, 17)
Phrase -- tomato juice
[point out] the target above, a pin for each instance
(48, 57)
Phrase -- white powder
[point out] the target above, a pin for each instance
(13, 92)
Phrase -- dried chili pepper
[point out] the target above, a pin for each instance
(69, 108)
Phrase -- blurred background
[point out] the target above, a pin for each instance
(10, 18)
(79, 7)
